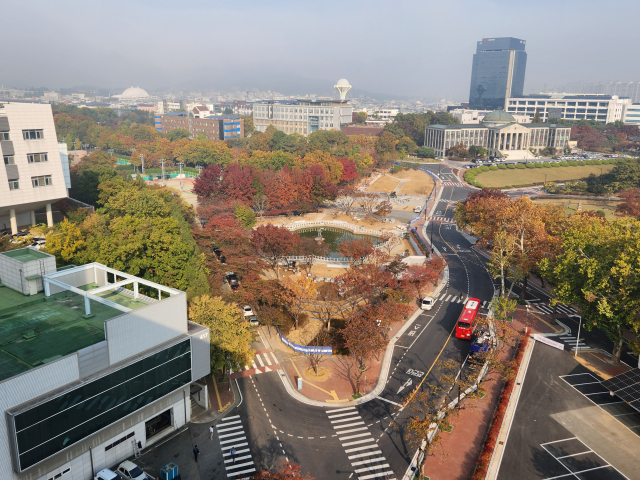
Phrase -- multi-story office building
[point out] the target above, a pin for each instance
(621, 89)
(96, 363)
(497, 73)
(34, 175)
(632, 114)
(302, 116)
(602, 108)
(214, 127)
(500, 134)
(474, 116)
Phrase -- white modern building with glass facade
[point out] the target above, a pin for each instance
(35, 173)
(601, 108)
(302, 116)
(95, 363)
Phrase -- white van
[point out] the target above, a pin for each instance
(427, 303)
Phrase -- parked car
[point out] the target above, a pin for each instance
(253, 320)
(481, 343)
(130, 471)
(106, 474)
(418, 209)
(232, 280)
(247, 311)
(427, 303)
(393, 195)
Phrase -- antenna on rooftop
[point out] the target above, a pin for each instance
(343, 87)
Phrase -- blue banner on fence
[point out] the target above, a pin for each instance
(303, 349)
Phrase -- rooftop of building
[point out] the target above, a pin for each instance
(24, 255)
(36, 329)
(570, 96)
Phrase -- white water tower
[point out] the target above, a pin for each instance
(343, 87)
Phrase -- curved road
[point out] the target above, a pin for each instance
(365, 443)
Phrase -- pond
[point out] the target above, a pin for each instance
(333, 237)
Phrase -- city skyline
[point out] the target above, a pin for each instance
(385, 49)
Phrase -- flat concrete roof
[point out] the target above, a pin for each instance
(36, 329)
(25, 254)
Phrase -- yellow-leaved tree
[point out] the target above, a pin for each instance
(229, 332)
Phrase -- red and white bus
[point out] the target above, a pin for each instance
(468, 319)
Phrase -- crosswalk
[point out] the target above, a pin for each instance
(361, 449)
(439, 218)
(456, 299)
(571, 341)
(548, 309)
(454, 184)
(263, 361)
(231, 435)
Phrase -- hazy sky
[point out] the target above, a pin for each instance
(414, 48)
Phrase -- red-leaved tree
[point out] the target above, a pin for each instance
(418, 277)
(348, 169)
(274, 244)
(208, 182)
(630, 206)
(287, 471)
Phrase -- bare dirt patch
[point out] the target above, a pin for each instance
(306, 333)
(419, 182)
(323, 374)
(384, 184)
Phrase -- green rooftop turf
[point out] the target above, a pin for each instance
(35, 329)
(25, 254)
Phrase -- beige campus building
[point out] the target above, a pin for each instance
(500, 134)
(36, 167)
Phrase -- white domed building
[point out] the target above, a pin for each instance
(134, 95)
(499, 134)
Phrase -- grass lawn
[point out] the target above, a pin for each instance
(531, 176)
(571, 205)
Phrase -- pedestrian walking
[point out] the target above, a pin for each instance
(233, 454)
(211, 432)
(196, 452)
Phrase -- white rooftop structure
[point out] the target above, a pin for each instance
(343, 87)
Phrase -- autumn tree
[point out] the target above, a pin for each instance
(245, 216)
(303, 289)
(384, 208)
(230, 333)
(630, 206)
(65, 242)
(274, 244)
(363, 338)
(315, 358)
(287, 471)
(356, 250)
(207, 184)
(418, 277)
(368, 202)
(329, 302)
(596, 270)
(347, 199)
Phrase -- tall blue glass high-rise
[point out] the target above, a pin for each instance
(498, 72)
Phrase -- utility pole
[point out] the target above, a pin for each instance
(142, 160)
(199, 167)
(162, 160)
(545, 183)
(181, 164)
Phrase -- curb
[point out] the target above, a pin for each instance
(498, 451)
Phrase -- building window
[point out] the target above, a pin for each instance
(61, 474)
(5, 136)
(32, 134)
(37, 157)
(14, 185)
(41, 181)
(8, 160)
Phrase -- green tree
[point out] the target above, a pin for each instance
(245, 216)
(597, 271)
(536, 117)
(424, 152)
(88, 174)
(177, 134)
(227, 111)
(361, 117)
(249, 128)
(229, 332)
(65, 242)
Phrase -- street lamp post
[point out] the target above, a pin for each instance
(162, 161)
(578, 337)
(545, 183)
(181, 164)
(142, 161)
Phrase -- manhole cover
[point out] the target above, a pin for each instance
(196, 434)
(250, 417)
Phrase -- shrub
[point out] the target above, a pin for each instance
(484, 168)
(538, 165)
(554, 164)
(520, 166)
(493, 167)
(597, 162)
(547, 165)
(563, 164)
(502, 166)
(511, 166)
(530, 165)
(600, 212)
(604, 162)
(589, 162)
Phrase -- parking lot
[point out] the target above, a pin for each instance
(567, 425)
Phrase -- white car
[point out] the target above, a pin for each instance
(106, 474)
(130, 471)
(418, 209)
(247, 311)
(427, 303)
